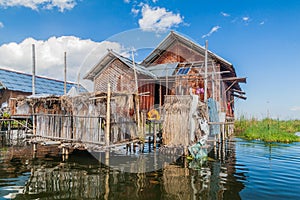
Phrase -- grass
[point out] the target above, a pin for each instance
(268, 130)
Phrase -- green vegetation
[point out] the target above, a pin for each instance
(268, 130)
(13, 124)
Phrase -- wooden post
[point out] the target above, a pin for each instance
(213, 81)
(205, 76)
(215, 139)
(160, 97)
(65, 73)
(137, 104)
(137, 98)
(34, 147)
(154, 135)
(185, 151)
(107, 188)
(223, 132)
(149, 127)
(33, 69)
(142, 140)
(108, 116)
(149, 144)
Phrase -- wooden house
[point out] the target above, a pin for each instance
(188, 86)
(124, 76)
(175, 67)
(181, 78)
(222, 81)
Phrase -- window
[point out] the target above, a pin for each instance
(183, 71)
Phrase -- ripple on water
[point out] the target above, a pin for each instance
(272, 170)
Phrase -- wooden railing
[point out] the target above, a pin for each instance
(86, 129)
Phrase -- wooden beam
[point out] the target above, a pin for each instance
(239, 96)
(237, 79)
(232, 84)
(238, 91)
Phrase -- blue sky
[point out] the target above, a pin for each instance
(259, 37)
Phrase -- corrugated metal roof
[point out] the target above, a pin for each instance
(109, 57)
(163, 70)
(17, 81)
(139, 68)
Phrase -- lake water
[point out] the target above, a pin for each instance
(237, 170)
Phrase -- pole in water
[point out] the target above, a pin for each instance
(154, 135)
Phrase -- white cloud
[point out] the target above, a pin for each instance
(1, 25)
(82, 55)
(295, 108)
(135, 11)
(126, 1)
(225, 14)
(245, 19)
(44, 4)
(262, 23)
(214, 29)
(158, 19)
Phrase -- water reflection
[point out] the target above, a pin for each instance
(81, 176)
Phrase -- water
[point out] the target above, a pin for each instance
(237, 170)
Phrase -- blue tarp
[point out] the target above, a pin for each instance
(214, 129)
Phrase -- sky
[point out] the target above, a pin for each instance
(259, 37)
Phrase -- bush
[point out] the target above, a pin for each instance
(268, 130)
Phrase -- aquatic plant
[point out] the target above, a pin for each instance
(268, 130)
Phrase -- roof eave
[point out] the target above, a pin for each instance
(173, 36)
(98, 67)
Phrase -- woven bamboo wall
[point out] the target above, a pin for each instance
(176, 122)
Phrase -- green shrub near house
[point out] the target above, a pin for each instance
(268, 130)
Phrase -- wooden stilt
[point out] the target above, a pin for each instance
(107, 188)
(185, 151)
(107, 133)
(34, 147)
(154, 135)
(149, 144)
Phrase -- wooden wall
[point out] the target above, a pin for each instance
(147, 101)
(118, 75)
(122, 79)
(8, 95)
(179, 53)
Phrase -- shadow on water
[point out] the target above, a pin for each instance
(80, 176)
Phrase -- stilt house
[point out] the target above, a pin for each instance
(175, 67)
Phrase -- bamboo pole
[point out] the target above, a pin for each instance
(160, 96)
(65, 73)
(154, 135)
(108, 115)
(137, 98)
(33, 87)
(205, 76)
(33, 69)
(107, 188)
